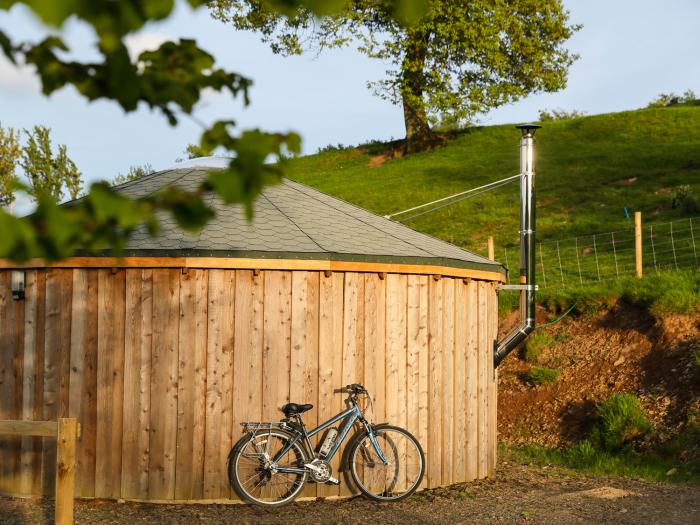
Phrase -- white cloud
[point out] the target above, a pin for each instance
(22, 79)
(137, 43)
(17, 78)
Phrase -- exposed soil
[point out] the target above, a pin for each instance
(617, 350)
(518, 494)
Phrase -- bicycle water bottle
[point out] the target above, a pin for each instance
(328, 442)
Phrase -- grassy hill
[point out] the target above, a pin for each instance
(589, 169)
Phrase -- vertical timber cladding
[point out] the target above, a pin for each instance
(161, 366)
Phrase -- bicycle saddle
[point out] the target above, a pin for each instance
(292, 409)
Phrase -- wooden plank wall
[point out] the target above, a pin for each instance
(161, 366)
(10, 380)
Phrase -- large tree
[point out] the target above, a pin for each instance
(46, 172)
(51, 174)
(10, 153)
(460, 59)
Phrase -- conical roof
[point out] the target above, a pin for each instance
(292, 221)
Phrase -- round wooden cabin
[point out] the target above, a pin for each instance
(162, 353)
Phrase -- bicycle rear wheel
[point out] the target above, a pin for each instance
(400, 477)
(252, 478)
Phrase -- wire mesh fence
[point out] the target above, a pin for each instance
(604, 256)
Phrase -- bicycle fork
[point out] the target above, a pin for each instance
(377, 448)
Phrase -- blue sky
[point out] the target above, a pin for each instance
(631, 50)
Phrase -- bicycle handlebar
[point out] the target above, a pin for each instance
(355, 388)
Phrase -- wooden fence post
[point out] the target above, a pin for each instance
(638, 242)
(490, 248)
(68, 431)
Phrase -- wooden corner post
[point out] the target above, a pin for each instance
(491, 253)
(638, 242)
(68, 432)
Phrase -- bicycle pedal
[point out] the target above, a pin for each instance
(333, 481)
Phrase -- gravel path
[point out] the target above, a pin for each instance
(518, 494)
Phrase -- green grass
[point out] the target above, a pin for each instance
(540, 375)
(535, 345)
(589, 170)
(585, 459)
(666, 293)
(676, 460)
(621, 421)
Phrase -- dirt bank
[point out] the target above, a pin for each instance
(618, 350)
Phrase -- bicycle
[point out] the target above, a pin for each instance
(272, 462)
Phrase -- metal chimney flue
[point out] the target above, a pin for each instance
(526, 286)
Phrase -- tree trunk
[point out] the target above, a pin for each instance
(419, 136)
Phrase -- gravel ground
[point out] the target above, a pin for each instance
(518, 494)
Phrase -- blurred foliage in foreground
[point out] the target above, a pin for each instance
(170, 80)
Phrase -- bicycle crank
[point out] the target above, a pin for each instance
(320, 472)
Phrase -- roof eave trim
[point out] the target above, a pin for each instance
(407, 265)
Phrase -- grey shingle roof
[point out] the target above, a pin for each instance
(292, 221)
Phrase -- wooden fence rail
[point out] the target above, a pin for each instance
(66, 431)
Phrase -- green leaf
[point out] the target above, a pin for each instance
(170, 79)
(18, 239)
(109, 206)
(218, 135)
(7, 47)
(190, 211)
(318, 7)
(249, 171)
(409, 12)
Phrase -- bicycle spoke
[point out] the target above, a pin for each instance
(402, 473)
(249, 463)
(261, 484)
(273, 489)
(256, 475)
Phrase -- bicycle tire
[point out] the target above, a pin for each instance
(379, 431)
(235, 459)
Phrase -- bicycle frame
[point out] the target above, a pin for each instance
(351, 416)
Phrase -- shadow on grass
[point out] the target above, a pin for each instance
(584, 459)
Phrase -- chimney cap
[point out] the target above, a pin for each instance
(528, 128)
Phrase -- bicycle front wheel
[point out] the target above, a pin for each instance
(249, 469)
(402, 474)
